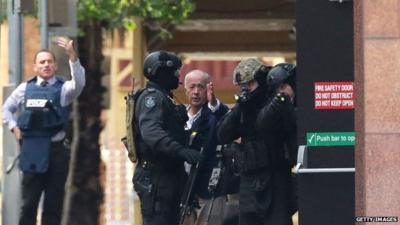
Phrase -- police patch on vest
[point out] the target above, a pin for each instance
(149, 102)
(36, 103)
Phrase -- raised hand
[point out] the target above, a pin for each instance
(210, 94)
(68, 45)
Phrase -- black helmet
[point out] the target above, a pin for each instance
(160, 59)
(282, 73)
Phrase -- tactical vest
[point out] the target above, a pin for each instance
(42, 116)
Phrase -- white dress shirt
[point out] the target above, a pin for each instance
(69, 91)
(193, 118)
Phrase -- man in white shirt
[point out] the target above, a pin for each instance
(204, 111)
(40, 126)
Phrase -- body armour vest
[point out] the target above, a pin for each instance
(42, 116)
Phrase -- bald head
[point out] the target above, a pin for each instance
(197, 74)
(196, 88)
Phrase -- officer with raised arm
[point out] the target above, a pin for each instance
(40, 128)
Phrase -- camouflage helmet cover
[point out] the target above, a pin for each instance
(246, 70)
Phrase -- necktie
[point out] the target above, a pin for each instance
(44, 83)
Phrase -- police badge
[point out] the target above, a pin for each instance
(149, 102)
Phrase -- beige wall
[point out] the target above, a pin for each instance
(31, 45)
(118, 167)
(125, 50)
(120, 53)
(377, 54)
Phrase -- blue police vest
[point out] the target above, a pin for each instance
(42, 116)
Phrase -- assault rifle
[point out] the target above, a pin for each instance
(185, 204)
(216, 182)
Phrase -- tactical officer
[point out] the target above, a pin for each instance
(40, 129)
(263, 119)
(159, 122)
(281, 80)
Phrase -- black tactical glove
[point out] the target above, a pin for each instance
(280, 100)
(249, 100)
(189, 155)
(182, 113)
(245, 103)
(242, 97)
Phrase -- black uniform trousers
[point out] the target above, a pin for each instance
(159, 192)
(52, 183)
(265, 198)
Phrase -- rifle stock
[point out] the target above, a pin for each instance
(188, 189)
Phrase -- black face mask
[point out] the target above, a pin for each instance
(167, 79)
(168, 83)
(258, 93)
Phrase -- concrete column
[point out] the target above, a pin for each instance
(44, 37)
(11, 178)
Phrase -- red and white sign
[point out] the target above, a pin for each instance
(334, 95)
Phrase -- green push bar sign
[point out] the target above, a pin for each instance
(331, 139)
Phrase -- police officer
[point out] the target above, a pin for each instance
(281, 80)
(159, 122)
(40, 129)
(263, 119)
